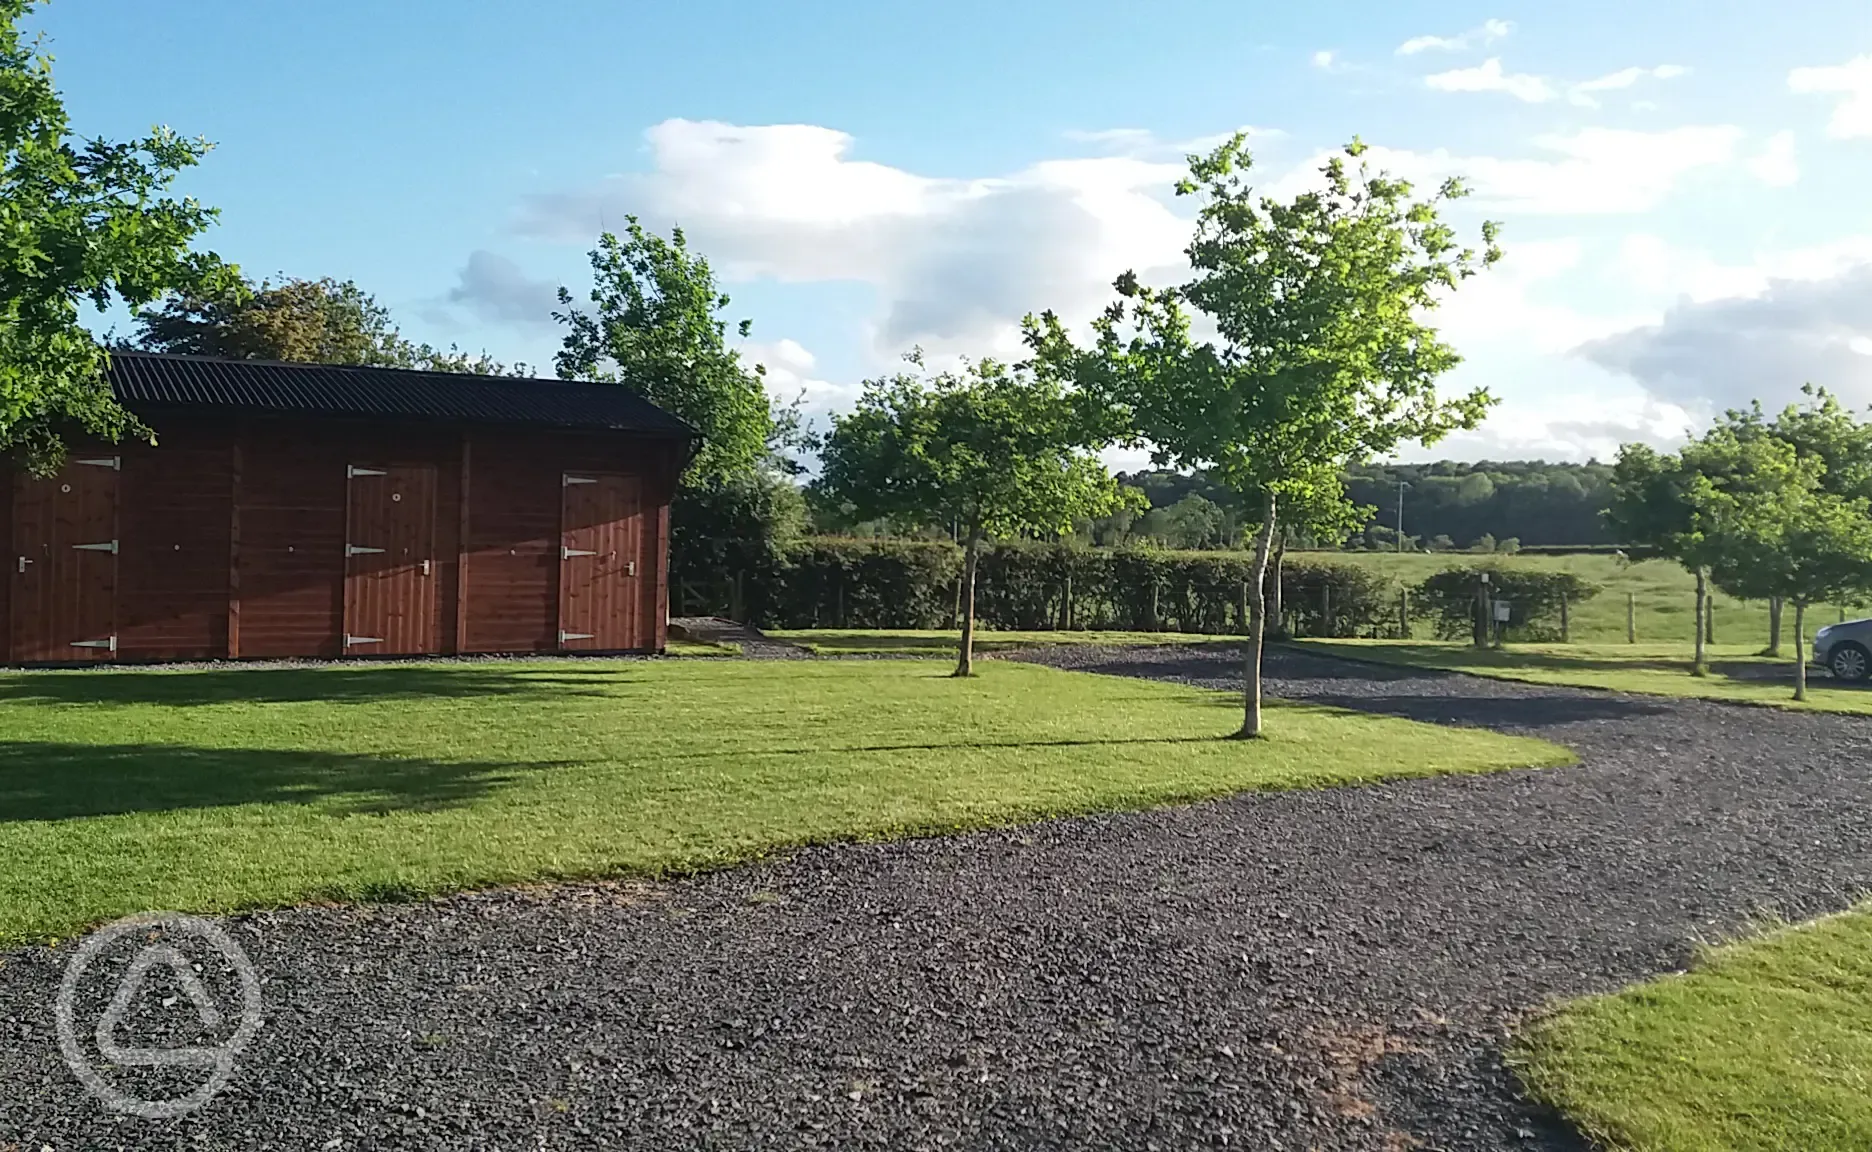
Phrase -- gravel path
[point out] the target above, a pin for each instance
(1309, 970)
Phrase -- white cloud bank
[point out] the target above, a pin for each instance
(1851, 82)
(1738, 333)
(1481, 36)
(1491, 76)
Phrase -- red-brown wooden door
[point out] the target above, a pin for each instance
(390, 598)
(65, 563)
(600, 588)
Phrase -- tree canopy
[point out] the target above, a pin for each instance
(655, 325)
(997, 450)
(297, 320)
(1323, 355)
(82, 221)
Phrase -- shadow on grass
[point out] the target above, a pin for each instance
(50, 781)
(341, 685)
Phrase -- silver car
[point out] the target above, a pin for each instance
(1845, 650)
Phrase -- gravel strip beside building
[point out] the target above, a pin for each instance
(1307, 970)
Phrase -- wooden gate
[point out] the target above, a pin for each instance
(65, 563)
(389, 594)
(600, 592)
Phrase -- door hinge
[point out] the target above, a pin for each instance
(564, 636)
(567, 553)
(352, 470)
(359, 550)
(108, 546)
(569, 480)
(110, 643)
(350, 639)
(114, 463)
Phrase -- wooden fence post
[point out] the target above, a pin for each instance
(1066, 609)
(1709, 620)
(1631, 617)
(1566, 632)
(1326, 608)
(1774, 626)
(1403, 613)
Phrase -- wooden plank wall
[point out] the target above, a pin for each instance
(202, 576)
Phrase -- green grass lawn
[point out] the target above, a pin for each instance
(213, 790)
(1736, 673)
(1665, 596)
(936, 642)
(1764, 1044)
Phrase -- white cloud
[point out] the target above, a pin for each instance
(955, 262)
(1485, 34)
(1325, 58)
(1595, 171)
(495, 288)
(1582, 92)
(1739, 334)
(1489, 76)
(790, 375)
(1776, 164)
(1852, 83)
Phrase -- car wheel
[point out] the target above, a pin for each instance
(1850, 662)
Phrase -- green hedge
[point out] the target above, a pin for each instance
(836, 583)
(1534, 599)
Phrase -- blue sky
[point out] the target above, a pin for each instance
(1682, 184)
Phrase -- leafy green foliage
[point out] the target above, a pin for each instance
(1533, 596)
(997, 450)
(1323, 358)
(299, 321)
(80, 221)
(832, 583)
(655, 327)
(994, 449)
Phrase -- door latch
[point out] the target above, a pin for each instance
(425, 567)
(22, 565)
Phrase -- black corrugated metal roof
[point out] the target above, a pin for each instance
(346, 390)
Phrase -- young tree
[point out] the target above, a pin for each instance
(996, 449)
(1652, 506)
(1771, 528)
(300, 321)
(80, 221)
(1322, 358)
(655, 326)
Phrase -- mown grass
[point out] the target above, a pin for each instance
(937, 642)
(214, 790)
(1665, 596)
(1765, 1044)
(1736, 673)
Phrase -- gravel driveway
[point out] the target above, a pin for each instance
(1307, 970)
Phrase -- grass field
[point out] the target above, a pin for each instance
(213, 790)
(1665, 596)
(1737, 673)
(1765, 1044)
(928, 642)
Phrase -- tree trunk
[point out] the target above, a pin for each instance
(1800, 650)
(965, 657)
(1709, 619)
(1631, 617)
(1699, 665)
(1257, 626)
(1774, 626)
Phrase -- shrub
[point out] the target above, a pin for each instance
(1449, 597)
(826, 582)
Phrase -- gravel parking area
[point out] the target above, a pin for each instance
(1308, 970)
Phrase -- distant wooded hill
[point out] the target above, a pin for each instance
(1447, 506)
